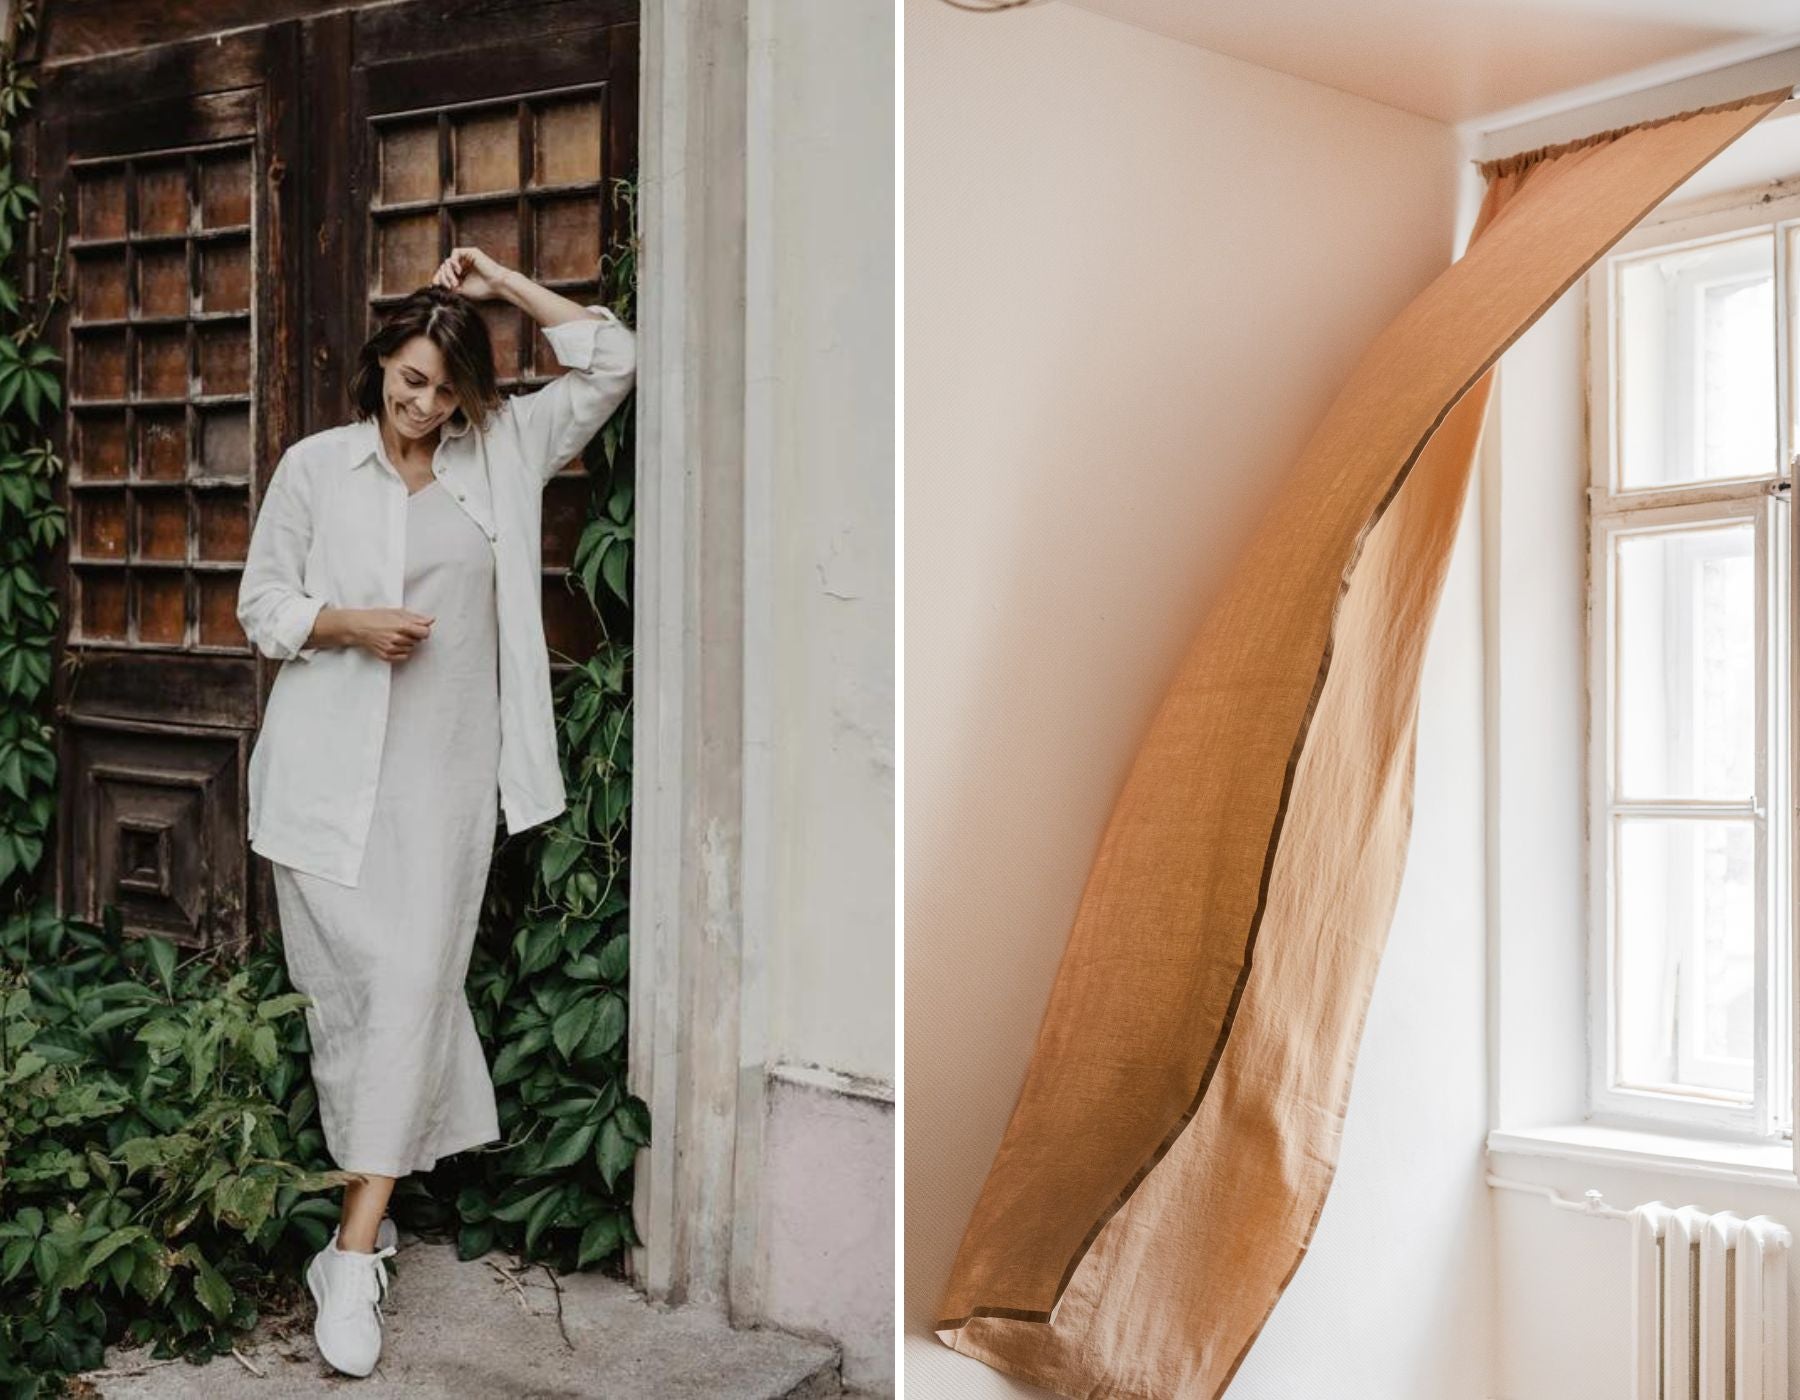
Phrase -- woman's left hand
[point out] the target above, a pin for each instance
(471, 272)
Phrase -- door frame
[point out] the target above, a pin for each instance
(699, 1004)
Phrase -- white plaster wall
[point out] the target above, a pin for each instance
(762, 1035)
(1534, 483)
(829, 1159)
(822, 268)
(1136, 274)
(819, 670)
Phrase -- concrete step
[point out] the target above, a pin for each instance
(488, 1328)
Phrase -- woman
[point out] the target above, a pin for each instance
(394, 566)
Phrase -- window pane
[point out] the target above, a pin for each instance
(1686, 954)
(1687, 662)
(1697, 364)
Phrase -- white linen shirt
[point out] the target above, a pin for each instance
(331, 531)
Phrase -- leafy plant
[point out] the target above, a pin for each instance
(161, 1163)
(31, 523)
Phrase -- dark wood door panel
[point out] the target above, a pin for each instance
(170, 164)
(422, 51)
(160, 353)
(157, 836)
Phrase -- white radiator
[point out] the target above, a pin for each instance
(1709, 1308)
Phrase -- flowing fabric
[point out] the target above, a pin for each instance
(1176, 1133)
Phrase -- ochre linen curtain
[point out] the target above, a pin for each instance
(1178, 1126)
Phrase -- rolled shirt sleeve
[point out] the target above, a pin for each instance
(558, 420)
(273, 608)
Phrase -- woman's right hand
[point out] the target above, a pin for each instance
(390, 633)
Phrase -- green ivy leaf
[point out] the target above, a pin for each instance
(571, 1027)
(263, 1048)
(209, 1285)
(567, 1145)
(608, 1028)
(473, 1241)
(615, 568)
(600, 1239)
(245, 1202)
(511, 1063)
(541, 1215)
(151, 1274)
(633, 1117)
(162, 1035)
(618, 505)
(276, 1007)
(614, 1152)
(162, 957)
(516, 1210)
(118, 1016)
(560, 852)
(473, 1205)
(615, 958)
(12, 773)
(14, 1258)
(541, 949)
(105, 1249)
(121, 1267)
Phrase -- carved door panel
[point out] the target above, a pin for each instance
(240, 209)
(168, 163)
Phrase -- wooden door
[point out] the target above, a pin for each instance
(170, 164)
(240, 208)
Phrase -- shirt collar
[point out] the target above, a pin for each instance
(366, 438)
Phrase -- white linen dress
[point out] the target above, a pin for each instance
(400, 1073)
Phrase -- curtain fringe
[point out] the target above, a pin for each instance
(1511, 165)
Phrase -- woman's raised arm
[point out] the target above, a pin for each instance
(600, 353)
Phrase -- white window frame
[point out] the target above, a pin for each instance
(1612, 512)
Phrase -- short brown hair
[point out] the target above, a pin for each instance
(447, 319)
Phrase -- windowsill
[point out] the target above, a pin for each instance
(1765, 1164)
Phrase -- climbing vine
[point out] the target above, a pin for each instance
(31, 522)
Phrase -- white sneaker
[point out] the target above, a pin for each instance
(348, 1287)
(386, 1237)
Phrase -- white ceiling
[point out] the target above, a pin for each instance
(1482, 62)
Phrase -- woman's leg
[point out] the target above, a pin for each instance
(365, 1201)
